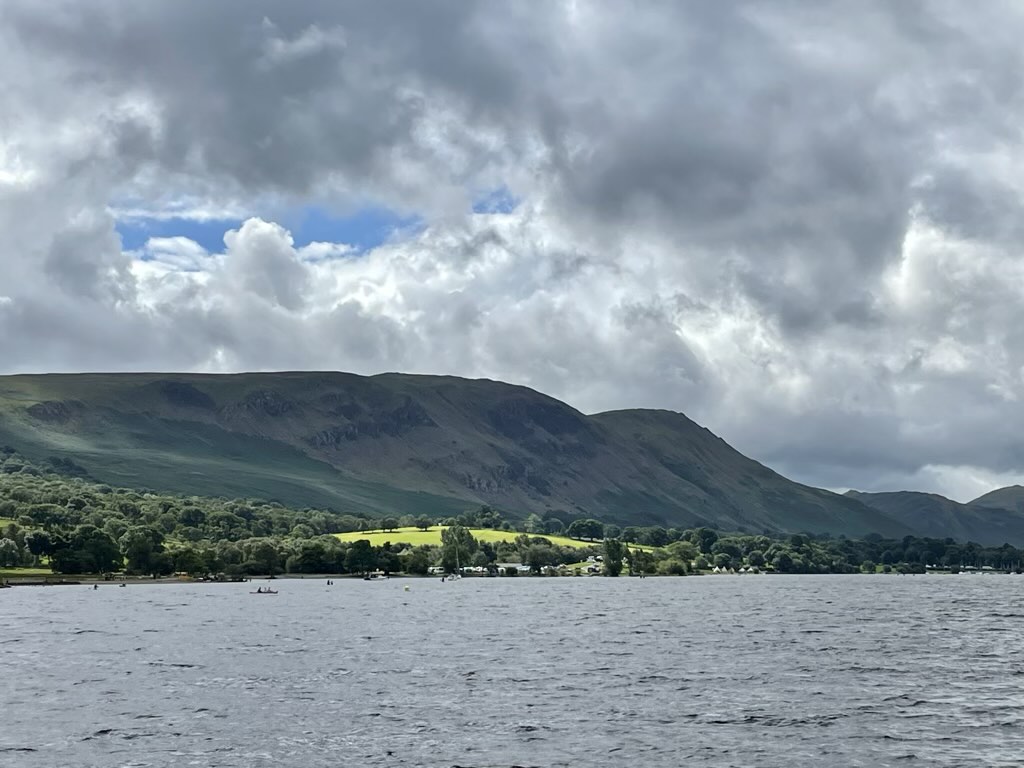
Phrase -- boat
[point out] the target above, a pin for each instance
(458, 567)
(264, 592)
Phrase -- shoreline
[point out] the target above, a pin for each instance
(56, 580)
(85, 580)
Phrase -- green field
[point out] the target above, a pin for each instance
(10, 573)
(432, 535)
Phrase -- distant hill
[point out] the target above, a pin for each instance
(982, 520)
(721, 485)
(1011, 497)
(400, 444)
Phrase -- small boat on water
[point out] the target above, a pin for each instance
(262, 591)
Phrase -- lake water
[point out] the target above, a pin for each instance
(710, 671)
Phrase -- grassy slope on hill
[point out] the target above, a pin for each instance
(141, 451)
(432, 535)
(397, 444)
(747, 495)
(1010, 497)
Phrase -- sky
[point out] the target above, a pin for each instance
(799, 223)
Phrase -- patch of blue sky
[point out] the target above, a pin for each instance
(500, 200)
(362, 230)
(209, 233)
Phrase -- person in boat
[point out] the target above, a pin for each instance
(259, 590)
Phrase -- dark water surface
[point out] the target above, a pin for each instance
(715, 671)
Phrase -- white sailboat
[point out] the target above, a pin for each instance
(458, 566)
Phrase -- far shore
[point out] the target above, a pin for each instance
(58, 580)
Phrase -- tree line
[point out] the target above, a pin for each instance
(79, 526)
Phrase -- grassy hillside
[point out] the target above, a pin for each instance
(115, 441)
(416, 537)
(407, 444)
(1011, 497)
(736, 492)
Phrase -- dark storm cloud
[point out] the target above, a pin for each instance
(269, 96)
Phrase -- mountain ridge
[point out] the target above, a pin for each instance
(439, 444)
(931, 514)
(1008, 497)
(409, 443)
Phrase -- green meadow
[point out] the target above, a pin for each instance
(432, 535)
(417, 537)
(7, 573)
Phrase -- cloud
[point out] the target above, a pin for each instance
(262, 258)
(797, 223)
(310, 42)
(176, 253)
